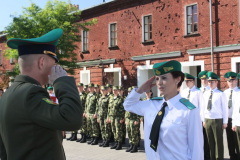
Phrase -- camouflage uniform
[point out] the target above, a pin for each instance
(83, 97)
(132, 129)
(116, 113)
(102, 110)
(92, 125)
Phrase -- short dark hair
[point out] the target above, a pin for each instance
(177, 74)
(1, 89)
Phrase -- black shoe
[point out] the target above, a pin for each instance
(70, 137)
(90, 141)
(101, 144)
(84, 139)
(134, 149)
(114, 146)
(95, 141)
(106, 144)
(123, 140)
(80, 138)
(119, 146)
(74, 138)
(130, 148)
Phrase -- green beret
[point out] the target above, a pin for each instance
(96, 85)
(90, 85)
(80, 84)
(104, 87)
(202, 74)
(230, 75)
(50, 88)
(134, 87)
(85, 86)
(129, 89)
(120, 88)
(45, 44)
(109, 85)
(211, 76)
(166, 67)
(189, 77)
(115, 87)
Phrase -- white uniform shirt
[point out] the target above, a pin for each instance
(236, 113)
(206, 88)
(219, 105)
(196, 98)
(180, 136)
(235, 101)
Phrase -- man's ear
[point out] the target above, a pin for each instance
(41, 62)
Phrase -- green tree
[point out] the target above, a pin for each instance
(35, 22)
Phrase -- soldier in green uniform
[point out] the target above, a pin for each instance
(85, 87)
(109, 89)
(121, 94)
(31, 124)
(133, 127)
(102, 110)
(92, 126)
(83, 129)
(116, 117)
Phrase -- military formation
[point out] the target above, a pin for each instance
(104, 118)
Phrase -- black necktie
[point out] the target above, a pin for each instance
(210, 102)
(156, 128)
(230, 100)
(188, 94)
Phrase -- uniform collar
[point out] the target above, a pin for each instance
(26, 79)
(235, 88)
(171, 102)
(214, 90)
(192, 88)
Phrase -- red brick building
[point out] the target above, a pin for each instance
(132, 35)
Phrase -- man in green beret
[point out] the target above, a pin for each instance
(83, 129)
(216, 116)
(116, 117)
(109, 89)
(85, 87)
(102, 110)
(232, 98)
(92, 125)
(31, 124)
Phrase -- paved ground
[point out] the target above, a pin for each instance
(76, 151)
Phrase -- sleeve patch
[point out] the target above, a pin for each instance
(49, 101)
(187, 103)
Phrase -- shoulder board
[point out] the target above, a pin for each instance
(220, 90)
(238, 87)
(187, 103)
(157, 98)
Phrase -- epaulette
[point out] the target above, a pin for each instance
(187, 103)
(238, 87)
(220, 90)
(157, 98)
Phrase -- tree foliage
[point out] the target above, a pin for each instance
(35, 22)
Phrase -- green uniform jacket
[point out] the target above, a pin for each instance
(91, 102)
(115, 107)
(83, 97)
(31, 125)
(102, 107)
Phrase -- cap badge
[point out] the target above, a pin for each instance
(167, 69)
(158, 72)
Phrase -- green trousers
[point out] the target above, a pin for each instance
(92, 125)
(215, 138)
(83, 129)
(238, 139)
(133, 132)
(105, 128)
(117, 128)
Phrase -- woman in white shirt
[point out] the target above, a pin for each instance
(172, 125)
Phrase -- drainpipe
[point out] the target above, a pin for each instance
(211, 33)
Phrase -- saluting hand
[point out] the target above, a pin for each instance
(147, 86)
(56, 72)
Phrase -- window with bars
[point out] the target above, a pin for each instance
(192, 19)
(113, 34)
(147, 28)
(85, 41)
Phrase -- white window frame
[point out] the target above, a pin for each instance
(186, 33)
(112, 69)
(144, 26)
(109, 35)
(85, 71)
(234, 61)
(83, 41)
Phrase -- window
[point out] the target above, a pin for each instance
(85, 41)
(192, 19)
(11, 60)
(113, 34)
(147, 29)
(0, 57)
(237, 71)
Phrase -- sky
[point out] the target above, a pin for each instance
(14, 7)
